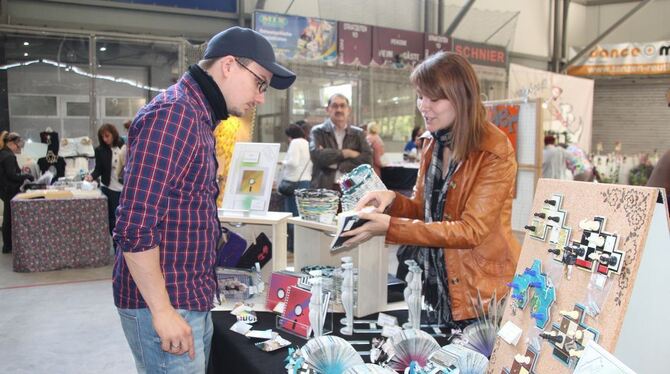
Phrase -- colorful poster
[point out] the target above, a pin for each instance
(506, 117)
(355, 43)
(299, 38)
(650, 58)
(396, 48)
(567, 101)
(434, 43)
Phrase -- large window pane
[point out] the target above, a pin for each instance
(144, 68)
(33, 105)
(50, 69)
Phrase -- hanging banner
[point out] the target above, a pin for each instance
(299, 38)
(396, 48)
(567, 101)
(626, 59)
(506, 117)
(434, 43)
(355, 43)
(489, 61)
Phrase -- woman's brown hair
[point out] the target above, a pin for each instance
(116, 139)
(446, 75)
(7, 137)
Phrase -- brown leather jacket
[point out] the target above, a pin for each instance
(479, 249)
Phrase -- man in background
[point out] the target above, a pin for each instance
(336, 147)
(167, 227)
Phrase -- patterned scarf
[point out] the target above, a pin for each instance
(436, 187)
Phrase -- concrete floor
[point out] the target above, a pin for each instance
(60, 322)
(65, 321)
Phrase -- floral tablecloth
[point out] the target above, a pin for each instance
(52, 234)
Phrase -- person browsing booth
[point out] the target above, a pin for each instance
(167, 229)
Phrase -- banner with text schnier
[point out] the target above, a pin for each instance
(490, 61)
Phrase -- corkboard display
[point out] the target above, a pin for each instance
(627, 212)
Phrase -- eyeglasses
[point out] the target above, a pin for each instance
(262, 83)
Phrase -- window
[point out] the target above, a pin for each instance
(75, 109)
(125, 107)
(33, 105)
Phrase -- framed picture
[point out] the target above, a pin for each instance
(249, 183)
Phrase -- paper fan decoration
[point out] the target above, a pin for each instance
(411, 346)
(465, 359)
(481, 335)
(330, 355)
(368, 369)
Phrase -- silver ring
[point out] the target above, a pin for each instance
(177, 347)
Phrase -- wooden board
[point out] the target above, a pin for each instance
(628, 211)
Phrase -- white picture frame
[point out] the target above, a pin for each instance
(249, 181)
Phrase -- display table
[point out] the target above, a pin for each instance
(234, 353)
(312, 247)
(249, 226)
(53, 234)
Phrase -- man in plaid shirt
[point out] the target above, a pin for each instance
(167, 227)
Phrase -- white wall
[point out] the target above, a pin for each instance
(533, 26)
(647, 25)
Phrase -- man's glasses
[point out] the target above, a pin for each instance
(262, 83)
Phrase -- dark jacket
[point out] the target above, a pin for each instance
(103, 164)
(325, 153)
(480, 251)
(11, 177)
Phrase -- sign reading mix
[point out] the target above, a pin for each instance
(299, 38)
(626, 59)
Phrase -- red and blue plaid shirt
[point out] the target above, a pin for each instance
(169, 198)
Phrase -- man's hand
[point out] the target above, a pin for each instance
(378, 224)
(350, 153)
(378, 199)
(174, 332)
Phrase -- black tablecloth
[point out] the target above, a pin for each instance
(399, 178)
(235, 353)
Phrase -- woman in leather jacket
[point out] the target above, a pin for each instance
(458, 220)
(11, 179)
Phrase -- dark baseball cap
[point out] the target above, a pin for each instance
(242, 42)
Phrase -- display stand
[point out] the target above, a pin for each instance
(632, 318)
(528, 147)
(311, 247)
(249, 225)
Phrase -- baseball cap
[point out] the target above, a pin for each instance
(242, 42)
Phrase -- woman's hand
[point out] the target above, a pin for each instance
(380, 200)
(378, 224)
(88, 178)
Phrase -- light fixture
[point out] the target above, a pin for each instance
(25, 54)
(26, 43)
(102, 49)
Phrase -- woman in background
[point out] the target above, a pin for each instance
(297, 165)
(11, 179)
(377, 145)
(458, 222)
(110, 157)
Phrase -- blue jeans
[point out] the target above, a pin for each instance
(146, 346)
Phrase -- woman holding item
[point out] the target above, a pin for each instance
(458, 220)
